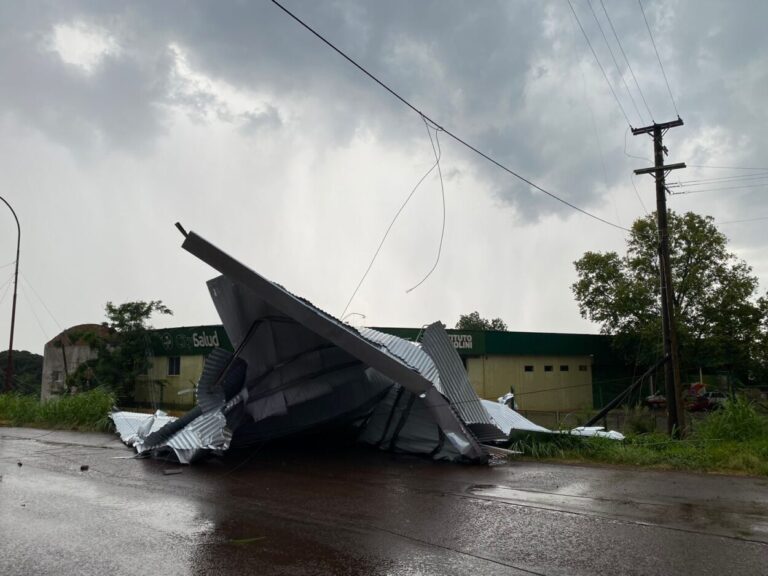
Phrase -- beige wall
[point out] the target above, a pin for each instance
(148, 387)
(492, 376)
(54, 373)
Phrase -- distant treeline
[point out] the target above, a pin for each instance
(27, 371)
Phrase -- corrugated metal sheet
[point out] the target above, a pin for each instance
(453, 376)
(508, 420)
(272, 296)
(408, 352)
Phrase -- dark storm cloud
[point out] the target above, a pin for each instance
(516, 79)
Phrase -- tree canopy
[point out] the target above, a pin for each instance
(123, 353)
(721, 319)
(473, 321)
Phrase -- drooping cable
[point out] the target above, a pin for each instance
(438, 154)
(627, 154)
(615, 63)
(629, 66)
(443, 128)
(637, 193)
(663, 73)
(607, 81)
(389, 228)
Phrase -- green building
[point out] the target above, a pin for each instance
(176, 364)
(548, 372)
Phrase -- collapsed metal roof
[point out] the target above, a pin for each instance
(296, 369)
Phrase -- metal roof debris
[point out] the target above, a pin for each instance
(296, 369)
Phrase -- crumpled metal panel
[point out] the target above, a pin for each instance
(269, 298)
(456, 384)
(409, 352)
(133, 427)
(508, 420)
(206, 433)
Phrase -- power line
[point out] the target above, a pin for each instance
(659, 58)
(615, 63)
(725, 167)
(34, 314)
(632, 179)
(599, 64)
(704, 181)
(743, 221)
(627, 60)
(392, 223)
(697, 191)
(438, 153)
(438, 126)
(627, 154)
(42, 302)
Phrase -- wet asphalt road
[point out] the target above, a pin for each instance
(355, 511)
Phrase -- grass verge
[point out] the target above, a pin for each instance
(732, 440)
(86, 411)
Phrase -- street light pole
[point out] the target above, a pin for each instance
(9, 366)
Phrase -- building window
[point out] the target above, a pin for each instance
(547, 368)
(563, 368)
(174, 365)
(582, 367)
(528, 368)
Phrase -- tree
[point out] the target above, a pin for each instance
(721, 321)
(123, 353)
(473, 321)
(27, 372)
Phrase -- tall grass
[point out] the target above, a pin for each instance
(84, 411)
(733, 440)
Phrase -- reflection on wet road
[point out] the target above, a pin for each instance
(353, 511)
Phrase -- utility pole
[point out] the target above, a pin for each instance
(675, 409)
(9, 366)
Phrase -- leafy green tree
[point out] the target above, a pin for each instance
(721, 320)
(473, 321)
(123, 353)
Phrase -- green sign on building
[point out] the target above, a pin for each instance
(189, 340)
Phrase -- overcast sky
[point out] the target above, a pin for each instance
(119, 119)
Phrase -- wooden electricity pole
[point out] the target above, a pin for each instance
(675, 409)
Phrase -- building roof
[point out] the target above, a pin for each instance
(73, 336)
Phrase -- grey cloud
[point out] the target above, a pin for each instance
(470, 65)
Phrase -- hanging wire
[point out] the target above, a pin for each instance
(392, 223)
(663, 73)
(456, 137)
(438, 154)
(640, 198)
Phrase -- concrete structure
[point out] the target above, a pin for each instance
(63, 354)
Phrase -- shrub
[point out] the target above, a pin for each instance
(736, 420)
(84, 411)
